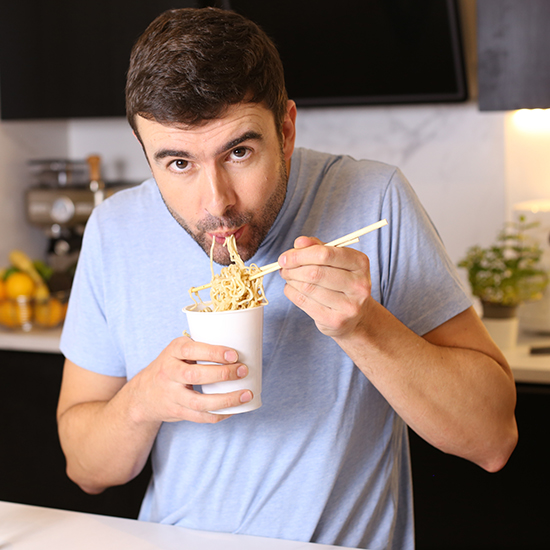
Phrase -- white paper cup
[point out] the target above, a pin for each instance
(241, 330)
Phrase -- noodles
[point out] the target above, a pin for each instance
(232, 289)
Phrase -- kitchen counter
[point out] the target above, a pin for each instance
(25, 527)
(39, 340)
(527, 368)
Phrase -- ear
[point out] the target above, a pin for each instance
(289, 130)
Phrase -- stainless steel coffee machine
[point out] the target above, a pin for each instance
(60, 201)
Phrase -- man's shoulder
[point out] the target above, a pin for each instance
(135, 196)
(138, 202)
(340, 164)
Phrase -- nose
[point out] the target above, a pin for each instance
(217, 191)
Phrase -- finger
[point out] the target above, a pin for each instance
(197, 374)
(304, 242)
(203, 403)
(185, 349)
(311, 279)
(318, 254)
(331, 321)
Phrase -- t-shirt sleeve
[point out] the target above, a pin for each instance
(86, 339)
(419, 283)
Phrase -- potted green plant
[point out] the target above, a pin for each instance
(507, 273)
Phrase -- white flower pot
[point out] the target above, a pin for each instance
(504, 332)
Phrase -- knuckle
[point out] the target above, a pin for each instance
(361, 286)
(228, 401)
(309, 289)
(184, 347)
(292, 258)
(364, 263)
(195, 403)
(190, 374)
(224, 373)
(315, 273)
(300, 300)
(326, 253)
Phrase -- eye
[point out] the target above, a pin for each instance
(240, 153)
(179, 165)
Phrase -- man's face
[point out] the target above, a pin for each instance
(227, 176)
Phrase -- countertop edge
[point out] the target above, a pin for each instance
(527, 368)
(37, 340)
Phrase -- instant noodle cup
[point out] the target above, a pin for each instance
(241, 330)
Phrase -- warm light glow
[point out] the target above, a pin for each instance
(534, 206)
(532, 120)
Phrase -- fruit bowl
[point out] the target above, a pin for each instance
(24, 313)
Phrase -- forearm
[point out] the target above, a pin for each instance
(107, 425)
(461, 400)
(103, 443)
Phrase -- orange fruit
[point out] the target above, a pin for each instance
(2, 290)
(49, 313)
(8, 314)
(19, 284)
(15, 314)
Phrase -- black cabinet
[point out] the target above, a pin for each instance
(61, 59)
(458, 505)
(513, 44)
(32, 465)
(67, 59)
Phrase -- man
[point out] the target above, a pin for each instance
(359, 342)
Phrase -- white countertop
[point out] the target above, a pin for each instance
(40, 340)
(527, 368)
(25, 527)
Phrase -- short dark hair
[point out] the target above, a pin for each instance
(191, 64)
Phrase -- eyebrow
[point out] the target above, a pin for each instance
(247, 136)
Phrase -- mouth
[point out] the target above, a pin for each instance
(222, 235)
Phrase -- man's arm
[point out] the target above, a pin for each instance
(452, 386)
(107, 425)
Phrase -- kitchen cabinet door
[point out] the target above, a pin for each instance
(66, 59)
(32, 465)
(459, 505)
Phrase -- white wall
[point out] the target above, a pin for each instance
(19, 142)
(112, 139)
(443, 151)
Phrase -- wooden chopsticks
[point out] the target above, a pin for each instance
(346, 240)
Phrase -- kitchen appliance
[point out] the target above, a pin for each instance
(60, 200)
(535, 316)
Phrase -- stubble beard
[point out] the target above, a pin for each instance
(258, 225)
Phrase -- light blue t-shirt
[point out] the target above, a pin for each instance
(325, 459)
